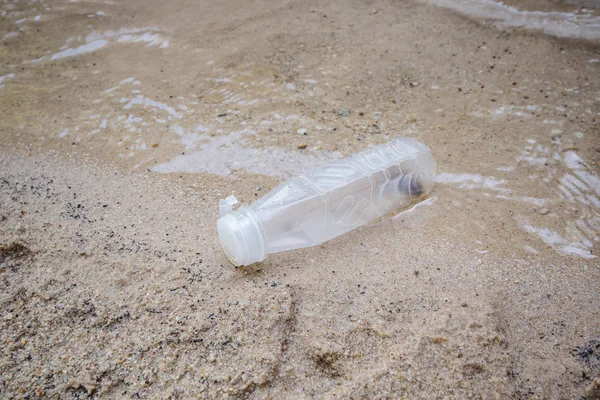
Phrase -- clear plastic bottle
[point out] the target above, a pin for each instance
(328, 201)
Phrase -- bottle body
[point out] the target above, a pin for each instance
(329, 201)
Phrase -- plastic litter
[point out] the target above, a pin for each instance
(328, 201)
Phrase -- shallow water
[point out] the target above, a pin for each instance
(155, 96)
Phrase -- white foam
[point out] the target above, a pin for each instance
(559, 243)
(37, 60)
(146, 102)
(472, 181)
(507, 168)
(561, 24)
(187, 138)
(223, 154)
(148, 35)
(530, 249)
(97, 40)
(85, 48)
(7, 76)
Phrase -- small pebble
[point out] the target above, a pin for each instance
(302, 146)
(302, 131)
(592, 391)
(343, 112)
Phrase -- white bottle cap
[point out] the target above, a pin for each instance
(241, 237)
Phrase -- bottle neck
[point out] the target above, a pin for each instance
(242, 237)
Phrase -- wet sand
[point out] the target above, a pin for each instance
(123, 124)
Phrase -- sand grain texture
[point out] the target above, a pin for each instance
(126, 122)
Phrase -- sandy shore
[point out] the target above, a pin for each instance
(124, 125)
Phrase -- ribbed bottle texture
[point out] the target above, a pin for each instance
(329, 201)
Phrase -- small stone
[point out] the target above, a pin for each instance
(343, 112)
(592, 391)
(258, 188)
(302, 146)
(302, 131)
(543, 211)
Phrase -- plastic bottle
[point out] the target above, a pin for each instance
(327, 201)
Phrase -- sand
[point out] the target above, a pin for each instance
(123, 124)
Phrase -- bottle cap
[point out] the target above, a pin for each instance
(241, 237)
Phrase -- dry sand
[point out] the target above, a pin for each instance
(123, 123)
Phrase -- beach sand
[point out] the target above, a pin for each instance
(124, 123)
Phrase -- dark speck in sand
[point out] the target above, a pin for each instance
(589, 353)
(14, 250)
